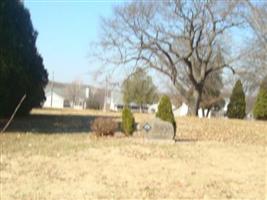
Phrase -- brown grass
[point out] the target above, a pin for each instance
(228, 161)
(190, 128)
(69, 111)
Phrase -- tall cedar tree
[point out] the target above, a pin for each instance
(128, 121)
(165, 111)
(21, 66)
(237, 106)
(260, 108)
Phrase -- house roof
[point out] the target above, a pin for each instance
(61, 88)
(55, 94)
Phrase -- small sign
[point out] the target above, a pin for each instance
(147, 127)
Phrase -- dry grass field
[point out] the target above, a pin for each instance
(50, 155)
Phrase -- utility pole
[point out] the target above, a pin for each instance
(52, 89)
(106, 94)
(109, 87)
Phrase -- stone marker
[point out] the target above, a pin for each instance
(158, 129)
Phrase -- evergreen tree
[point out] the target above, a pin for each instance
(260, 108)
(21, 66)
(165, 111)
(128, 122)
(237, 106)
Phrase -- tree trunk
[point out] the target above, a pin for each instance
(208, 112)
(198, 99)
(203, 112)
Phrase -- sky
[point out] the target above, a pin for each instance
(66, 28)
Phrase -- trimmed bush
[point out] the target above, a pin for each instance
(260, 107)
(165, 111)
(127, 121)
(104, 126)
(237, 106)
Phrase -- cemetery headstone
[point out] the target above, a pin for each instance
(158, 129)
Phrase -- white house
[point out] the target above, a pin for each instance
(184, 109)
(154, 108)
(115, 101)
(57, 96)
(53, 100)
(200, 113)
(181, 111)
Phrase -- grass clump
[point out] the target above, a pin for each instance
(103, 126)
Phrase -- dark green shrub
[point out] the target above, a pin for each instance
(237, 106)
(104, 126)
(128, 121)
(165, 111)
(21, 66)
(260, 107)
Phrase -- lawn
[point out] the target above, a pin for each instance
(50, 155)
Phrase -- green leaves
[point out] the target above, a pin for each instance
(260, 107)
(128, 122)
(139, 88)
(21, 67)
(165, 111)
(237, 106)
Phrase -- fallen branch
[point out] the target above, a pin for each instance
(14, 113)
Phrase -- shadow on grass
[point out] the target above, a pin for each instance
(37, 123)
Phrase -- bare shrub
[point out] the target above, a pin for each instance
(104, 126)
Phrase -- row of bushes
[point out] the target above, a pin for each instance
(106, 126)
(236, 109)
(237, 105)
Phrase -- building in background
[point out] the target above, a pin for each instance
(53, 100)
(181, 111)
(64, 95)
(115, 102)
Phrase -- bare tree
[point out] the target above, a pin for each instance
(74, 92)
(96, 98)
(212, 98)
(256, 17)
(254, 66)
(180, 39)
